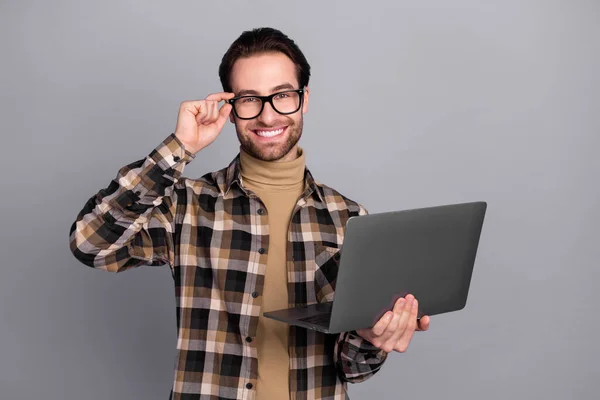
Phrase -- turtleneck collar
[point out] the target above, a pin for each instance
(273, 174)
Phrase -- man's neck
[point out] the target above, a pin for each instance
(280, 173)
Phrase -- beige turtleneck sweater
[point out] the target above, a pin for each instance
(278, 185)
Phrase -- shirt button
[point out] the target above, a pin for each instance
(249, 339)
(255, 294)
(261, 250)
(248, 386)
(176, 158)
(260, 211)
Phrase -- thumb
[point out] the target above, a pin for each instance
(223, 115)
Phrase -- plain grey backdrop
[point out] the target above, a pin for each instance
(414, 103)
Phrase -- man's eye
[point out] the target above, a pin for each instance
(249, 99)
(282, 95)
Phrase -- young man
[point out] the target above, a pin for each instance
(259, 235)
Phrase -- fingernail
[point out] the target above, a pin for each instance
(388, 316)
(415, 303)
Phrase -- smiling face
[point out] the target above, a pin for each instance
(270, 136)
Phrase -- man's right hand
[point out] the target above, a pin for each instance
(200, 121)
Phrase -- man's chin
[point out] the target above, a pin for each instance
(268, 153)
(271, 154)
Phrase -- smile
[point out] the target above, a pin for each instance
(269, 133)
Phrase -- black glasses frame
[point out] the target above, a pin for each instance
(268, 99)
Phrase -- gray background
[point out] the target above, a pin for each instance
(413, 104)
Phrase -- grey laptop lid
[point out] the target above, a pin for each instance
(428, 252)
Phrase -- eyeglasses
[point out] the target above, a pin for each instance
(250, 107)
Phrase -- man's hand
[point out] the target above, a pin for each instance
(199, 122)
(394, 331)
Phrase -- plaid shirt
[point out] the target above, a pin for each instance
(214, 235)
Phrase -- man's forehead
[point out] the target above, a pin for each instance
(264, 74)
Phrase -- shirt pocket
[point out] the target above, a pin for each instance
(327, 263)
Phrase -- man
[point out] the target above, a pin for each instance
(256, 236)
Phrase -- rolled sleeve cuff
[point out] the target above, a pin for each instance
(358, 358)
(164, 167)
(171, 153)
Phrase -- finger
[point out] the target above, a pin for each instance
(211, 113)
(198, 108)
(399, 305)
(403, 321)
(194, 107)
(203, 115)
(423, 323)
(386, 337)
(223, 115)
(406, 312)
(215, 112)
(401, 344)
(220, 96)
(386, 340)
(382, 324)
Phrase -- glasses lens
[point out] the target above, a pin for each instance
(286, 102)
(247, 107)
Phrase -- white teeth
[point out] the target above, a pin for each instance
(269, 133)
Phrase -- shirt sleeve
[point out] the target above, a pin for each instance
(357, 359)
(131, 222)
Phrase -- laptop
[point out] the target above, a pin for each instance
(428, 252)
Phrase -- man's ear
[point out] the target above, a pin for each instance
(232, 117)
(306, 96)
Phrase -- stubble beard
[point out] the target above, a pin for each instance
(272, 152)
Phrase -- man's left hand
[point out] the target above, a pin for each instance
(394, 331)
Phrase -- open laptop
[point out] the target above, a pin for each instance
(428, 252)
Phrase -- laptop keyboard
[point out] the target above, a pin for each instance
(319, 319)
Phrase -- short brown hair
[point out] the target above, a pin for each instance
(260, 41)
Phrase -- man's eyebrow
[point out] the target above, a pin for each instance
(284, 86)
(250, 92)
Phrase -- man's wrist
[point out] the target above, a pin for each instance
(187, 148)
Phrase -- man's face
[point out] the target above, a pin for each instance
(270, 136)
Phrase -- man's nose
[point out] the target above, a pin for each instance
(268, 114)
